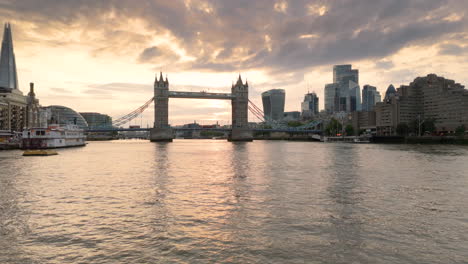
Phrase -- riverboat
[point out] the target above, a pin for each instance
(54, 136)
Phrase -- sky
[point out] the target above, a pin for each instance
(103, 55)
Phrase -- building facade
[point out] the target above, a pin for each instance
(365, 121)
(344, 94)
(273, 104)
(370, 96)
(97, 120)
(13, 104)
(62, 115)
(426, 98)
(310, 105)
(33, 109)
(331, 96)
(292, 116)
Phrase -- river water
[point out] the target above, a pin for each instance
(210, 201)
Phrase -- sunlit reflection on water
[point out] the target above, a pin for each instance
(198, 201)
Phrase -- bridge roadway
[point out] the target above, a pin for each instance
(200, 95)
(206, 129)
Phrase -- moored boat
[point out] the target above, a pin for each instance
(54, 136)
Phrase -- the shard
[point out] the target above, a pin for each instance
(8, 75)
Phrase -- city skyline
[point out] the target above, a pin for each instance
(104, 58)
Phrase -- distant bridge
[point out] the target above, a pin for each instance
(290, 130)
(200, 95)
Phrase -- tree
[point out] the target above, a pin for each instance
(402, 129)
(429, 125)
(294, 124)
(349, 130)
(460, 130)
(333, 127)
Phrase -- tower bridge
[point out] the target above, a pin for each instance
(239, 97)
(241, 105)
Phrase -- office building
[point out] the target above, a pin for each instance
(61, 115)
(331, 98)
(370, 96)
(310, 105)
(430, 97)
(292, 116)
(344, 93)
(97, 120)
(273, 104)
(364, 121)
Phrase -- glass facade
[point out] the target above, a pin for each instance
(97, 120)
(273, 104)
(331, 95)
(370, 96)
(310, 105)
(345, 90)
(57, 114)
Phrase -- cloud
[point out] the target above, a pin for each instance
(452, 49)
(284, 40)
(347, 31)
(119, 87)
(155, 54)
(384, 64)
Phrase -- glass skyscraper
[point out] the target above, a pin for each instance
(310, 106)
(370, 96)
(344, 94)
(273, 104)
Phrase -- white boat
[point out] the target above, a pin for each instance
(54, 136)
(361, 140)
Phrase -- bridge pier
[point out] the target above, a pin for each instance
(240, 119)
(241, 135)
(161, 132)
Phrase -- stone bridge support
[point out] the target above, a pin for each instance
(161, 132)
(240, 111)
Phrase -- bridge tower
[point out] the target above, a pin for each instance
(240, 119)
(161, 132)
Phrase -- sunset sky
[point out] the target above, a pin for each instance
(102, 56)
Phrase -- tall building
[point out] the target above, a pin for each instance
(391, 91)
(8, 75)
(342, 74)
(370, 96)
(331, 98)
(310, 105)
(430, 97)
(344, 93)
(13, 104)
(273, 104)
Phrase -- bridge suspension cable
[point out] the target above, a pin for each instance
(132, 115)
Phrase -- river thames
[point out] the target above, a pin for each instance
(211, 201)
